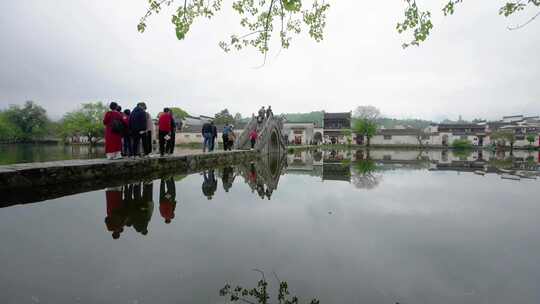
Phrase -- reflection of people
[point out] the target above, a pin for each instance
(167, 199)
(209, 185)
(116, 216)
(228, 178)
(142, 207)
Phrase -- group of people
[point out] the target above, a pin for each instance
(210, 132)
(126, 131)
(133, 205)
(264, 113)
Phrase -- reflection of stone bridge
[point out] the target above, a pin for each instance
(263, 175)
(270, 138)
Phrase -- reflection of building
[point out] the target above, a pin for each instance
(336, 165)
(337, 171)
(335, 126)
(340, 165)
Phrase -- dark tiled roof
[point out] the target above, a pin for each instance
(399, 132)
(461, 126)
(343, 115)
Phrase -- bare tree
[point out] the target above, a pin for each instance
(369, 113)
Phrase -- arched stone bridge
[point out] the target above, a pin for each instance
(270, 137)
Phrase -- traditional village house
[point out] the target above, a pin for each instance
(335, 126)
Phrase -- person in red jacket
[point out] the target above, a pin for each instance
(253, 137)
(114, 128)
(165, 126)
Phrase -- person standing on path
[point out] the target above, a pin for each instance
(225, 137)
(214, 136)
(207, 135)
(171, 142)
(147, 139)
(260, 118)
(137, 124)
(253, 137)
(126, 145)
(269, 112)
(165, 124)
(114, 128)
(231, 137)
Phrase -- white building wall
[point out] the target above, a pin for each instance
(395, 140)
(196, 137)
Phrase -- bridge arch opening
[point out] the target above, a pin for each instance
(274, 142)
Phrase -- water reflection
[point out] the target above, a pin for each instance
(364, 169)
(209, 185)
(131, 205)
(167, 199)
(403, 227)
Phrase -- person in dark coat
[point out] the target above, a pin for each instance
(207, 135)
(269, 112)
(137, 124)
(127, 146)
(172, 142)
(214, 136)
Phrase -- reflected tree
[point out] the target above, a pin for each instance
(260, 293)
(364, 174)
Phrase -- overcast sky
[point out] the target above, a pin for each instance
(72, 52)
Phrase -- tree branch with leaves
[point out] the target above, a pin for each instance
(259, 17)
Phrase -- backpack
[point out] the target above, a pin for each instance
(117, 127)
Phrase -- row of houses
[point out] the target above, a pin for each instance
(335, 129)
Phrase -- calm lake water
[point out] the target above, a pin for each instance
(27, 153)
(343, 227)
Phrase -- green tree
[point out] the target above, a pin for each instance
(85, 121)
(179, 113)
(8, 131)
(285, 18)
(223, 117)
(28, 122)
(364, 127)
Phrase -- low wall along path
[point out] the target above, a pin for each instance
(67, 172)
